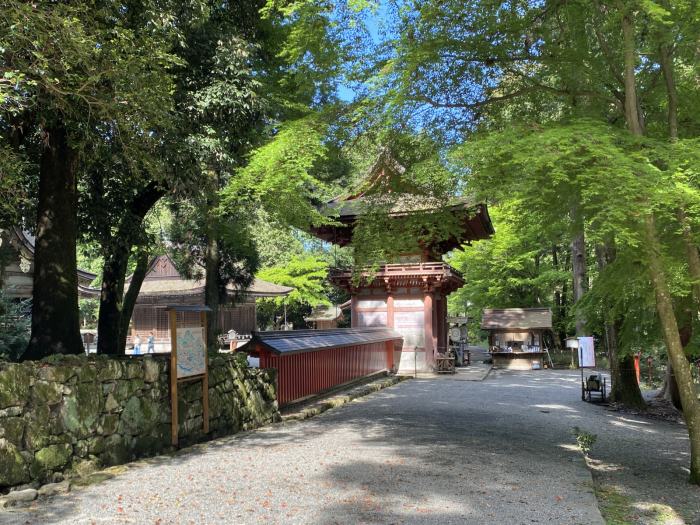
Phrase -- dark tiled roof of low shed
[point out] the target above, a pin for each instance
(300, 341)
(525, 318)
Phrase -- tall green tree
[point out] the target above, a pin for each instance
(81, 71)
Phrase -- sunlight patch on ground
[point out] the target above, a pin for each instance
(556, 407)
(658, 513)
(569, 446)
(602, 466)
(634, 421)
(633, 427)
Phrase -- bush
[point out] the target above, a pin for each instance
(15, 324)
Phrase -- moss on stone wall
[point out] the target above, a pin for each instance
(71, 415)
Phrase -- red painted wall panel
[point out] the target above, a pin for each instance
(305, 374)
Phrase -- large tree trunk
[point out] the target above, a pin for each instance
(578, 265)
(669, 390)
(666, 60)
(131, 295)
(630, 57)
(109, 320)
(624, 387)
(212, 290)
(664, 303)
(114, 270)
(676, 355)
(55, 315)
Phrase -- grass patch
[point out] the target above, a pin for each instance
(615, 507)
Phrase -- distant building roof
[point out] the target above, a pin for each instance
(324, 313)
(163, 279)
(300, 341)
(514, 318)
(19, 273)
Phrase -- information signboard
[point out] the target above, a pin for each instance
(586, 352)
(188, 361)
(191, 352)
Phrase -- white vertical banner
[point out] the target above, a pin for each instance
(586, 352)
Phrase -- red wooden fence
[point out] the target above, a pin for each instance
(304, 369)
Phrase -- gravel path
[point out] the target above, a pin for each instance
(424, 451)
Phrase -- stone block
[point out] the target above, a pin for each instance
(18, 498)
(52, 489)
(139, 416)
(80, 448)
(111, 403)
(152, 370)
(80, 412)
(13, 466)
(12, 429)
(127, 388)
(109, 424)
(15, 380)
(110, 370)
(96, 445)
(147, 445)
(88, 373)
(85, 467)
(132, 368)
(53, 457)
(37, 432)
(116, 450)
(46, 392)
(57, 373)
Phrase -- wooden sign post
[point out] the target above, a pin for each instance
(188, 361)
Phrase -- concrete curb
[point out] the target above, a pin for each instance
(318, 407)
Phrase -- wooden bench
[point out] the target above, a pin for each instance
(445, 364)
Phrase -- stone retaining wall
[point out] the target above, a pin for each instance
(72, 415)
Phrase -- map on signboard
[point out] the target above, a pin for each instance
(191, 352)
(586, 352)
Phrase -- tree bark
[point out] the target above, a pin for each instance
(664, 303)
(666, 61)
(578, 265)
(117, 254)
(669, 390)
(630, 59)
(676, 355)
(624, 388)
(131, 295)
(212, 290)
(55, 314)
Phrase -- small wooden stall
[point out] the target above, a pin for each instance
(309, 362)
(516, 336)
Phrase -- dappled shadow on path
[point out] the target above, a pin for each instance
(498, 451)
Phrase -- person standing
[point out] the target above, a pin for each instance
(151, 342)
(137, 345)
